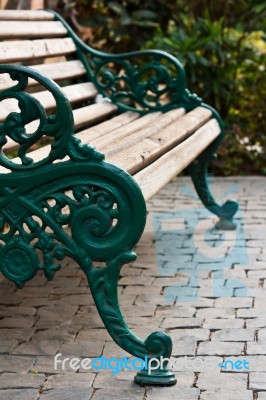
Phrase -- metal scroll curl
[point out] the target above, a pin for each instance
(87, 211)
(59, 126)
(142, 81)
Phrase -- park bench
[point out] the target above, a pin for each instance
(59, 195)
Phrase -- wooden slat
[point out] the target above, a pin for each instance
(31, 29)
(93, 113)
(136, 157)
(25, 15)
(157, 175)
(90, 135)
(135, 132)
(75, 93)
(12, 51)
(56, 71)
(121, 119)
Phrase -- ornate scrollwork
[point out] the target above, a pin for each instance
(141, 81)
(102, 206)
(145, 80)
(59, 126)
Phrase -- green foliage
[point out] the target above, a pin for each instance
(222, 46)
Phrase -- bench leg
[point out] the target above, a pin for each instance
(198, 171)
(158, 345)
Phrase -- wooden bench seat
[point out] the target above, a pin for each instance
(134, 110)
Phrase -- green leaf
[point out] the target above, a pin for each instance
(144, 14)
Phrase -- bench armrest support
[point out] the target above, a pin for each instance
(150, 80)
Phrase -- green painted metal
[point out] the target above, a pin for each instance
(102, 205)
(141, 81)
(147, 81)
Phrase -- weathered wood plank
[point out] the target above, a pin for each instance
(82, 116)
(136, 156)
(142, 128)
(31, 29)
(90, 135)
(93, 113)
(56, 71)
(75, 93)
(154, 177)
(11, 51)
(25, 15)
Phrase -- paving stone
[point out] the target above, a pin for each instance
(218, 394)
(235, 302)
(256, 323)
(17, 381)
(123, 380)
(34, 292)
(18, 310)
(19, 394)
(17, 322)
(69, 380)
(138, 290)
(172, 393)
(171, 323)
(262, 335)
(220, 348)
(177, 280)
(82, 349)
(46, 365)
(77, 300)
(129, 270)
(114, 394)
(90, 335)
(126, 299)
(16, 334)
(158, 299)
(198, 303)
(216, 313)
(136, 280)
(111, 349)
(211, 380)
(223, 323)
(154, 323)
(256, 348)
(257, 380)
(7, 346)
(67, 394)
(138, 310)
(233, 335)
(10, 363)
(62, 334)
(199, 334)
(176, 312)
(188, 300)
(249, 313)
(40, 348)
(195, 364)
(184, 346)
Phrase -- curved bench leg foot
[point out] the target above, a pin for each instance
(198, 171)
(158, 345)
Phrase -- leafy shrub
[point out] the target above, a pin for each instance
(222, 46)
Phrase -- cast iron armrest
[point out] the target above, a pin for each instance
(150, 80)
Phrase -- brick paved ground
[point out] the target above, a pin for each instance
(210, 300)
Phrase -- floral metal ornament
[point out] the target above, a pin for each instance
(82, 207)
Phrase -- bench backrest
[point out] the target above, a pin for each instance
(140, 83)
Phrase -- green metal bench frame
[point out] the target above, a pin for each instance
(101, 193)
